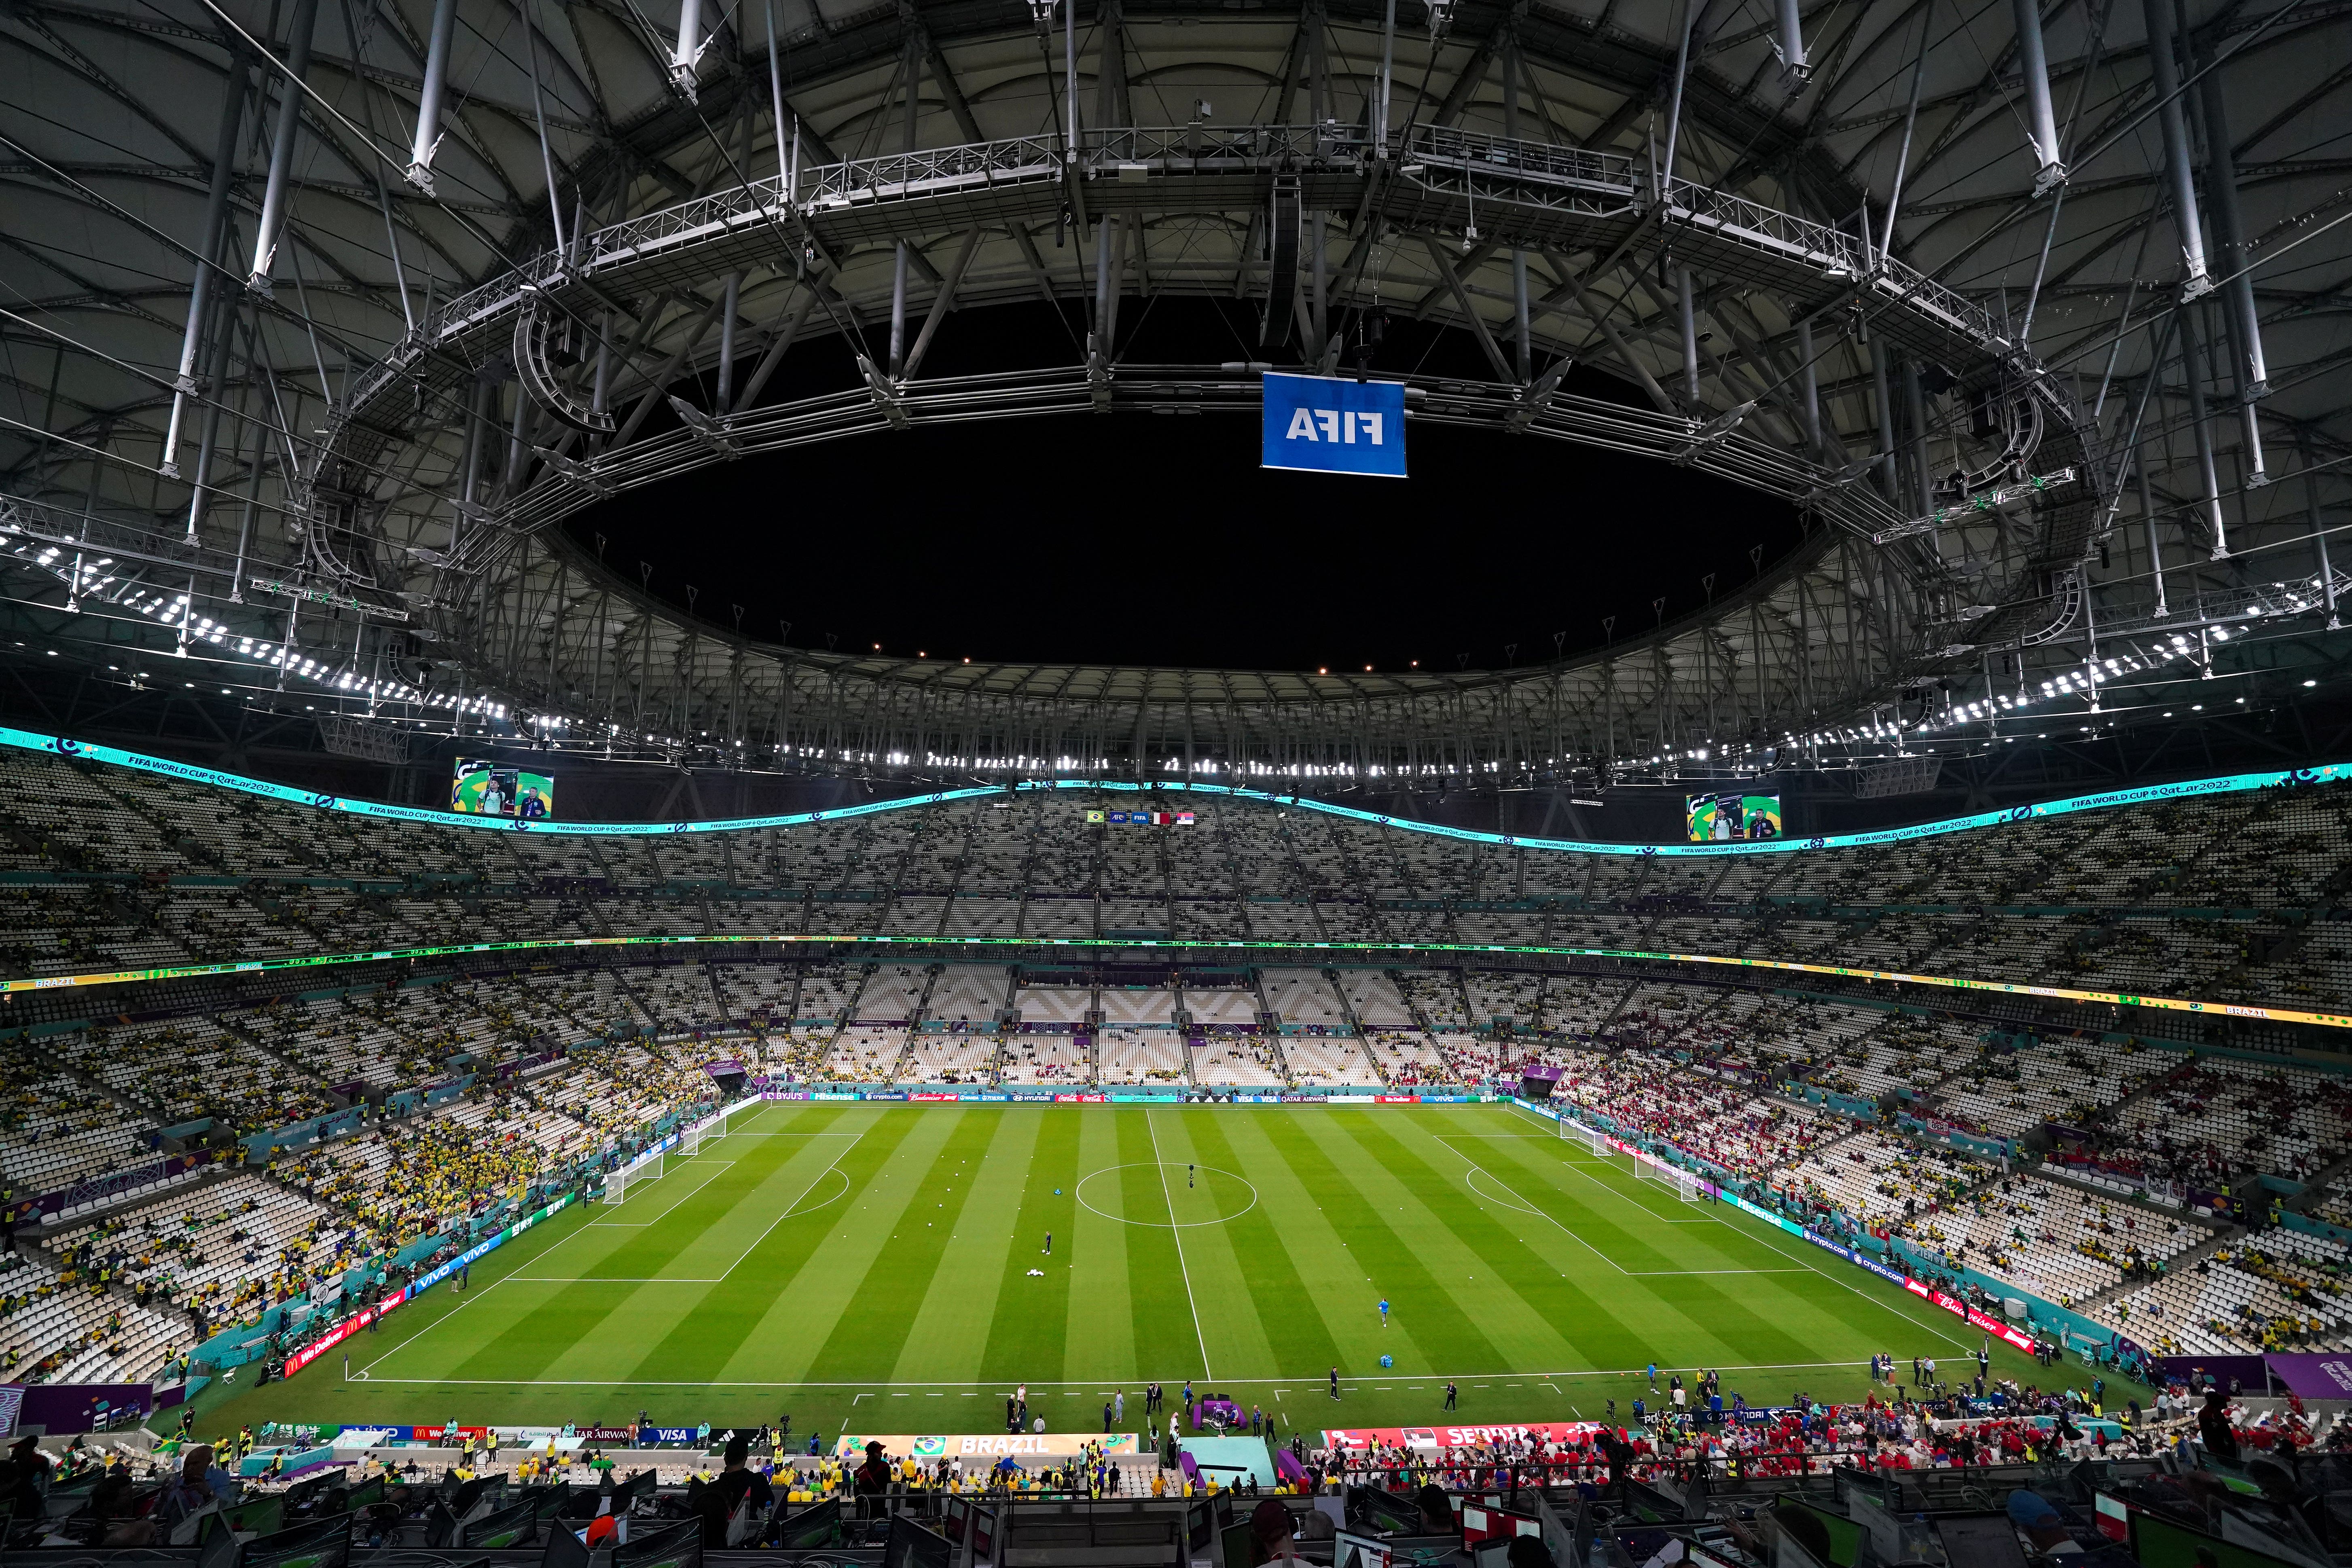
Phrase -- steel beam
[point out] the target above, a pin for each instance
(281, 151)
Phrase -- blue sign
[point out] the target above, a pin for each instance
(1330, 425)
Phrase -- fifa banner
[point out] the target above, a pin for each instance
(1333, 425)
(986, 1448)
(1432, 1438)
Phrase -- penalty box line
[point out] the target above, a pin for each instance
(1804, 1264)
(1576, 1167)
(793, 1212)
(716, 1166)
(623, 1224)
(831, 1168)
(367, 1372)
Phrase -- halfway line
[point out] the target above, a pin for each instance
(1178, 1232)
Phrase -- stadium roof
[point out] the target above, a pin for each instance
(338, 465)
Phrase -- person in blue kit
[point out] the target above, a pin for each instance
(1384, 1313)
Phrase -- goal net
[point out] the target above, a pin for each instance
(1687, 1188)
(617, 1184)
(691, 1141)
(1648, 1169)
(1576, 1131)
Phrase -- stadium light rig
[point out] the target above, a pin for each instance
(1982, 502)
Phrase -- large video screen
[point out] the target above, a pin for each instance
(1721, 819)
(482, 788)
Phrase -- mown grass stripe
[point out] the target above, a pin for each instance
(1027, 1332)
(1684, 1319)
(1443, 1334)
(1167, 1350)
(543, 1326)
(951, 1326)
(802, 1270)
(1101, 1345)
(1265, 1243)
(866, 1341)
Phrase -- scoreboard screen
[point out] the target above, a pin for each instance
(1722, 818)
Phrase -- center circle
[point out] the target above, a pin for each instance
(1220, 1195)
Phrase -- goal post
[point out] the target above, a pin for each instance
(1688, 1187)
(644, 1168)
(711, 1126)
(690, 1142)
(1577, 1132)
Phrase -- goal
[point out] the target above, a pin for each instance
(645, 1168)
(1686, 1186)
(691, 1141)
(1576, 1131)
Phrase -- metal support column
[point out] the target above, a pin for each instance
(1388, 80)
(1914, 412)
(1690, 338)
(913, 72)
(2229, 234)
(1791, 45)
(723, 399)
(2318, 533)
(689, 48)
(428, 105)
(1522, 334)
(200, 496)
(2165, 66)
(207, 255)
(281, 153)
(1885, 458)
(2035, 64)
(1813, 388)
(898, 307)
(1321, 105)
(2148, 515)
(2192, 376)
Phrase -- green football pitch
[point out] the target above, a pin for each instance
(885, 1268)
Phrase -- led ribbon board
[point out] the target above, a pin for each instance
(1333, 425)
(2230, 783)
(1409, 950)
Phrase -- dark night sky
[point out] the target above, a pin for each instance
(1138, 539)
